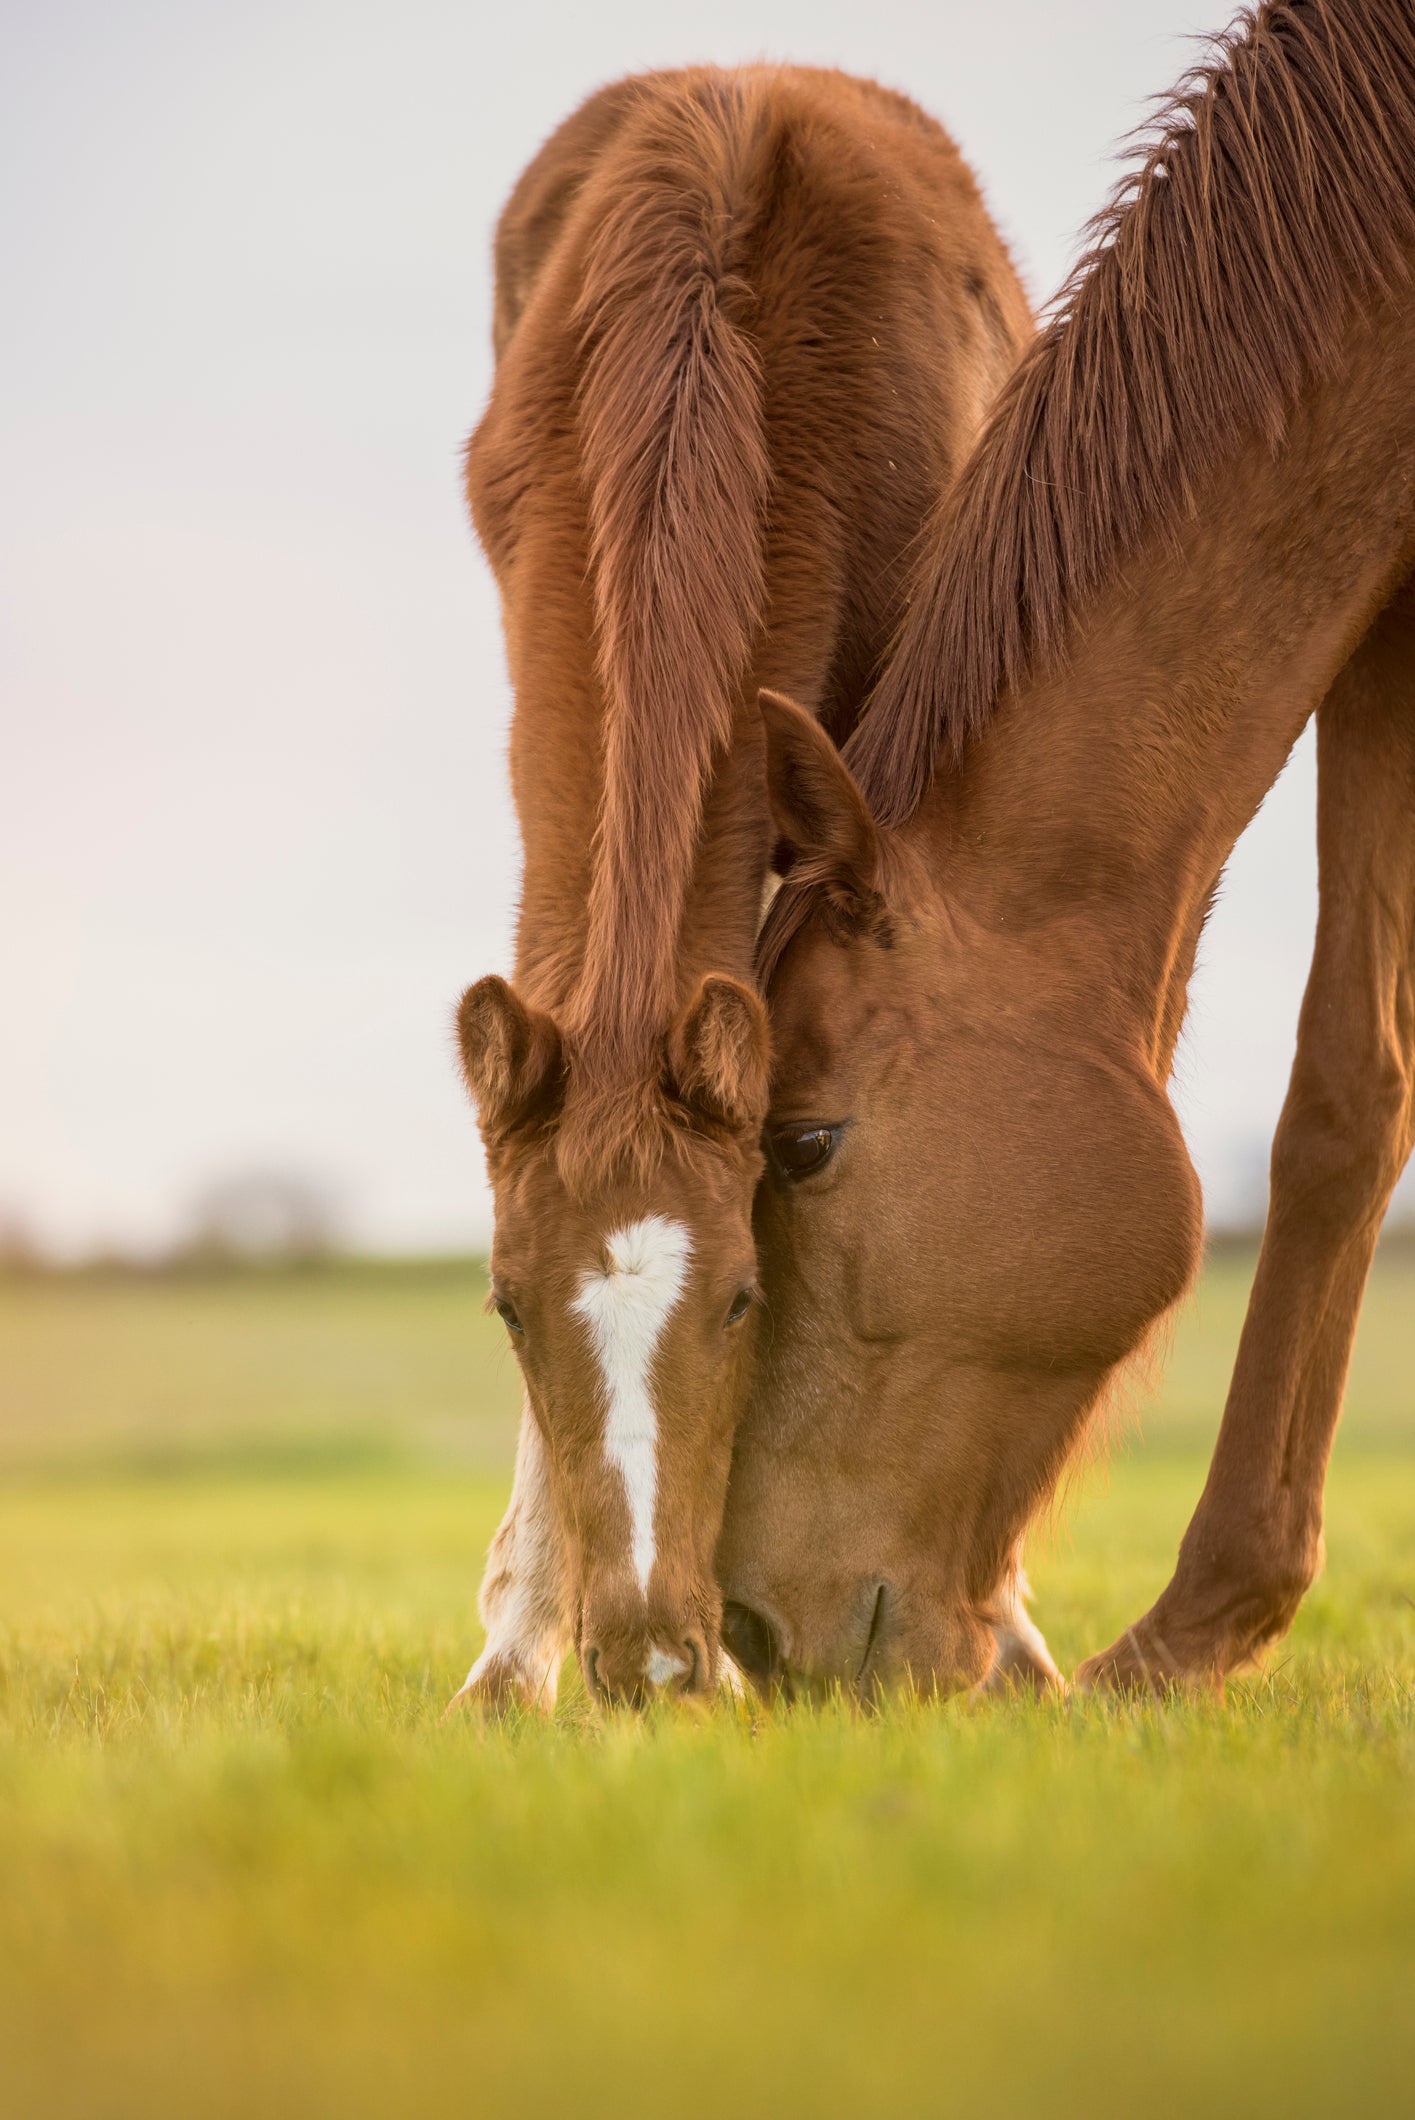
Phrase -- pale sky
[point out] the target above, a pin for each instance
(255, 833)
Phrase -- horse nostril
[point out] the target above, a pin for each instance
(750, 1640)
(879, 1619)
(695, 1677)
(597, 1684)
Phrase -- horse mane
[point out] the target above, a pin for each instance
(673, 455)
(1271, 191)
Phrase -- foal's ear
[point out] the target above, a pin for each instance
(718, 1055)
(815, 804)
(512, 1057)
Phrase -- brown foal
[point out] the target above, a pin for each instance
(747, 327)
(1189, 525)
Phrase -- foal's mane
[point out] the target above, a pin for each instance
(1271, 192)
(674, 465)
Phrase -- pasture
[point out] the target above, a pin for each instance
(248, 1869)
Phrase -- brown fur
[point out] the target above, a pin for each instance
(663, 430)
(672, 441)
(747, 326)
(1010, 1206)
(1274, 194)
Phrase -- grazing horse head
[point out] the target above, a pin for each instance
(972, 1211)
(1173, 543)
(627, 1282)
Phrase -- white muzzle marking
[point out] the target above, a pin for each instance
(626, 1308)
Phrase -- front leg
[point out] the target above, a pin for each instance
(1255, 1543)
(523, 1602)
(1023, 1659)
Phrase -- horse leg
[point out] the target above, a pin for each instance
(1023, 1659)
(1255, 1543)
(522, 1603)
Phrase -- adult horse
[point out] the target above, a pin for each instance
(1189, 524)
(747, 325)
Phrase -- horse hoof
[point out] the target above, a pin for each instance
(1138, 1663)
(495, 1688)
(1022, 1667)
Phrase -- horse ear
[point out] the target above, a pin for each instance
(512, 1056)
(816, 806)
(718, 1054)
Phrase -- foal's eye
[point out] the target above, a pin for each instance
(741, 1304)
(508, 1314)
(796, 1151)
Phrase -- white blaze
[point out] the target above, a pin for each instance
(626, 1308)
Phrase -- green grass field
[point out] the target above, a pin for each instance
(246, 1869)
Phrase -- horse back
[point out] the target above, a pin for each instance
(884, 304)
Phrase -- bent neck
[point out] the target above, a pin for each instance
(556, 747)
(1094, 817)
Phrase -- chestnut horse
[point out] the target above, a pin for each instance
(747, 327)
(1189, 524)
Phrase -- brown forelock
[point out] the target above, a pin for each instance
(625, 1133)
(793, 905)
(1271, 192)
(676, 477)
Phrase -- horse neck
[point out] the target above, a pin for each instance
(556, 773)
(1095, 816)
(558, 779)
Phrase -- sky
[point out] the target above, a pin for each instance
(255, 832)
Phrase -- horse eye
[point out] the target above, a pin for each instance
(798, 1150)
(508, 1314)
(741, 1304)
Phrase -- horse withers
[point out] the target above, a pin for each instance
(747, 325)
(1190, 525)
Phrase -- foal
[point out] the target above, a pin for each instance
(747, 325)
(1190, 524)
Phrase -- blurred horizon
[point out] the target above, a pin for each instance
(256, 829)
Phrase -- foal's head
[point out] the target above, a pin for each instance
(975, 1204)
(623, 1268)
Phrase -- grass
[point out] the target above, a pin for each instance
(283, 1370)
(246, 1869)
